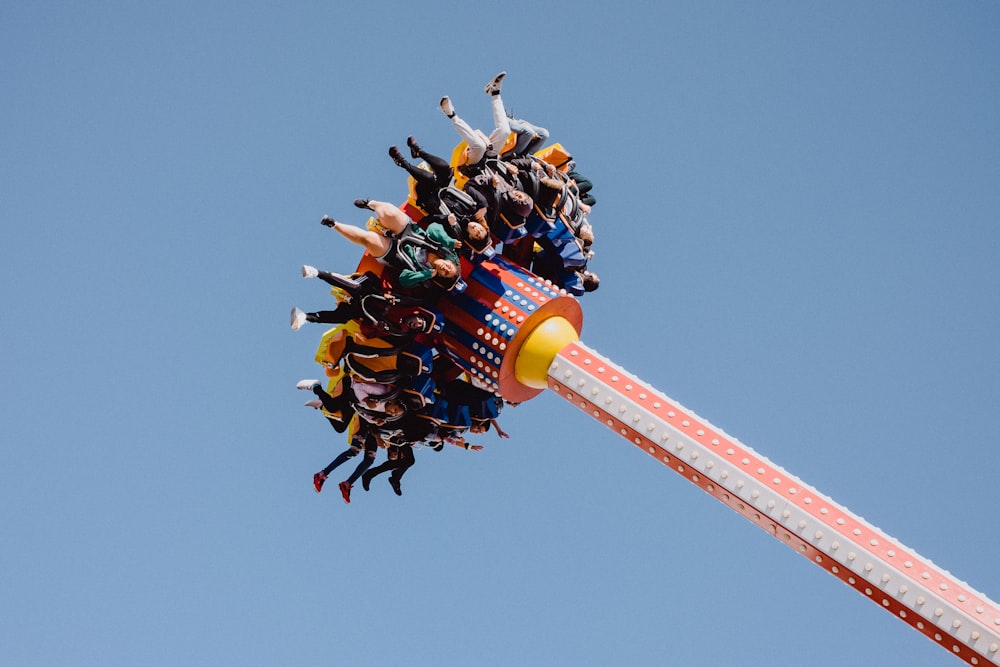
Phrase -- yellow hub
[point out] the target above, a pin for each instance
(531, 368)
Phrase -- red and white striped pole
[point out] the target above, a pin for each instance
(929, 599)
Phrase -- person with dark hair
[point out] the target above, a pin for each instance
(420, 255)
(499, 205)
(590, 280)
(459, 210)
(575, 278)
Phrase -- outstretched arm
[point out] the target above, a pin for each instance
(500, 431)
(459, 441)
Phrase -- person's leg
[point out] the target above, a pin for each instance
(365, 463)
(350, 453)
(421, 176)
(350, 285)
(389, 216)
(530, 137)
(474, 140)
(331, 403)
(541, 136)
(404, 463)
(501, 123)
(374, 243)
(343, 312)
(372, 473)
(440, 168)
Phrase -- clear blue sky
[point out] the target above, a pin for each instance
(797, 231)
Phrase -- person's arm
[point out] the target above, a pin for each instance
(500, 431)
(583, 183)
(459, 441)
(479, 198)
(437, 234)
(551, 183)
(412, 278)
(523, 163)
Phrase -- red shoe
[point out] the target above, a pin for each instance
(345, 490)
(318, 480)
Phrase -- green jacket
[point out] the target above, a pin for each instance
(411, 249)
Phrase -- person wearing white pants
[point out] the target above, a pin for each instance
(477, 143)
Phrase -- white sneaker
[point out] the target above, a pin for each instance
(315, 404)
(447, 107)
(298, 318)
(493, 87)
(309, 271)
(307, 384)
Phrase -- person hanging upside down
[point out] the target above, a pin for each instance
(420, 255)
(478, 143)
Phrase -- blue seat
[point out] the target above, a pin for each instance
(538, 225)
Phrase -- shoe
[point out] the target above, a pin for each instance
(309, 271)
(362, 203)
(396, 156)
(307, 385)
(493, 87)
(345, 490)
(298, 318)
(395, 486)
(318, 480)
(447, 107)
(366, 480)
(315, 404)
(415, 150)
(327, 221)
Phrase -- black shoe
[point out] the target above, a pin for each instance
(327, 221)
(396, 156)
(415, 149)
(366, 480)
(395, 486)
(362, 203)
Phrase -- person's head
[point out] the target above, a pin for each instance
(445, 268)
(414, 322)
(476, 231)
(477, 236)
(516, 202)
(479, 426)
(586, 233)
(590, 281)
